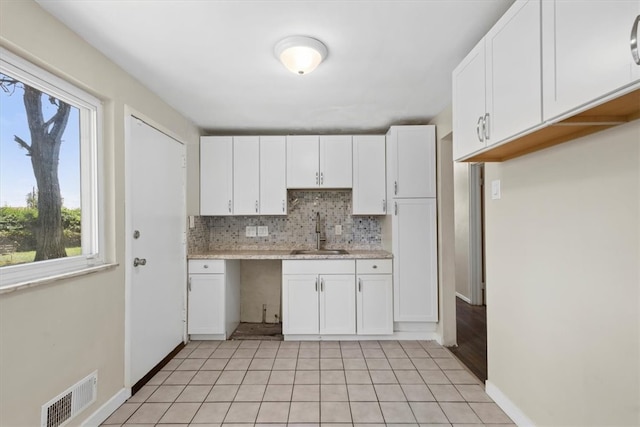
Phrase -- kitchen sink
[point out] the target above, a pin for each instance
(319, 252)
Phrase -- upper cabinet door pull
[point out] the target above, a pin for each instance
(478, 129)
(485, 125)
(634, 41)
(395, 187)
(229, 206)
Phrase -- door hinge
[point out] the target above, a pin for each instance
(184, 315)
(184, 161)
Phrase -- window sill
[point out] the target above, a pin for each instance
(46, 280)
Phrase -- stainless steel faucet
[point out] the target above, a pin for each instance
(318, 239)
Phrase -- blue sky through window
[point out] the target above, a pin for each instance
(16, 173)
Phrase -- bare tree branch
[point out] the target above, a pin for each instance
(22, 143)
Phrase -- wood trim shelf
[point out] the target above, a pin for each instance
(623, 109)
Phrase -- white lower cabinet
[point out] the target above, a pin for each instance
(374, 300)
(321, 297)
(213, 298)
(318, 297)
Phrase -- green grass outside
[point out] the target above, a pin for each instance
(24, 257)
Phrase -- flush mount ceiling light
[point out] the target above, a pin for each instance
(300, 54)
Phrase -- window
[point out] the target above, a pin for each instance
(49, 174)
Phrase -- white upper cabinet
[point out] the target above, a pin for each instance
(497, 87)
(469, 106)
(586, 51)
(273, 175)
(303, 161)
(513, 76)
(216, 175)
(319, 162)
(246, 175)
(335, 161)
(369, 180)
(411, 161)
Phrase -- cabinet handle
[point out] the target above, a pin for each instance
(316, 284)
(256, 206)
(485, 125)
(395, 188)
(189, 284)
(480, 121)
(321, 178)
(283, 206)
(395, 207)
(229, 206)
(384, 206)
(321, 285)
(317, 179)
(634, 41)
(359, 285)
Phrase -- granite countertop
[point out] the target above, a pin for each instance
(286, 254)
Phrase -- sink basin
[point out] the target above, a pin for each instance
(319, 252)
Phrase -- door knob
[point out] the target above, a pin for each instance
(139, 261)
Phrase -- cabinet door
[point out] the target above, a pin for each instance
(300, 304)
(303, 162)
(413, 154)
(415, 278)
(469, 105)
(216, 175)
(337, 304)
(335, 161)
(273, 175)
(206, 304)
(246, 175)
(369, 180)
(513, 76)
(375, 304)
(586, 51)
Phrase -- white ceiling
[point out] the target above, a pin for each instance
(389, 62)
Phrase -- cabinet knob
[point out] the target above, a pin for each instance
(205, 266)
(375, 266)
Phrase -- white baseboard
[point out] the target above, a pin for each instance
(398, 335)
(507, 405)
(110, 406)
(208, 337)
(463, 298)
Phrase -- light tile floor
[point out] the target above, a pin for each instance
(213, 383)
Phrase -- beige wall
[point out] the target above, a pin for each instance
(260, 283)
(446, 237)
(54, 335)
(563, 280)
(461, 185)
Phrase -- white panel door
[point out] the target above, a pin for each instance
(375, 304)
(206, 304)
(156, 209)
(337, 304)
(513, 75)
(273, 175)
(336, 161)
(469, 105)
(300, 304)
(216, 175)
(586, 51)
(414, 150)
(415, 278)
(246, 175)
(369, 175)
(303, 162)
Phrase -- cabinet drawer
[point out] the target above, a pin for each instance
(206, 266)
(374, 266)
(343, 266)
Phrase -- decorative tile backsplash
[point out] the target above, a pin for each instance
(296, 230)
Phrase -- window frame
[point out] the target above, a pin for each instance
(91, 174)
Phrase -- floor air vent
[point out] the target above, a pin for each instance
(71, 402)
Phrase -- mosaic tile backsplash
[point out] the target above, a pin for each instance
(296, 230)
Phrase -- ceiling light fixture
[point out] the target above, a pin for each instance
(300, 54)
